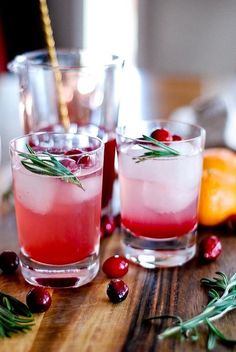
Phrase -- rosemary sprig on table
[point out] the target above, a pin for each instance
(222, 291)
(48, 166)
(163, 151)
(14, 316)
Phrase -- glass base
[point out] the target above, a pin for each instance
(59, 276)
(159, 253)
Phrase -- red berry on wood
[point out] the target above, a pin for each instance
(115, 266)
(38, 300)
(9, 262)
(210, 248)
(117, 290)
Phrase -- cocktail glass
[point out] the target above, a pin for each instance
(90, 87)
(58, 221)
(159, 195)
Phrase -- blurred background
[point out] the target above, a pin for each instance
(165, 36)
(180, 55)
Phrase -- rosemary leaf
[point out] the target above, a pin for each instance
(6, 303)
(160, 144)
(214, 330)
(164, 150)
(48, 166)
(195, 335)
(17, 306)
(211, 342)
(222, 291)
(14, 316)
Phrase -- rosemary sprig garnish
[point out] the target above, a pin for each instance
(164, 150)
(48, 166)
(222, 291)
(14, 316)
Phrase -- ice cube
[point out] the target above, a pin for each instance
(184, 148)
(35, 192)
(175, 171)
(162, 199)
(70, 193)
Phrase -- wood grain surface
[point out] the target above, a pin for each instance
(84, 320)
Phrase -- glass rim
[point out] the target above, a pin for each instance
(28, 58)
(97, 149)
(202, 131)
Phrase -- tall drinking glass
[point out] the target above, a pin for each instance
(90, 86)
(159, 187)
(57, 189)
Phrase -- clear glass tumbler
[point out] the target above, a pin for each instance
(57, 189)
(90, 89)
(159, 188)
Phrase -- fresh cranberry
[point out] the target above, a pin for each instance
(88, 149)
(85, 161)
(161, 135)
(210, 248)
(70, 164)
(175, 137)
(9, 262)
(108, 225)
(115, 266)
(75, 154)
(117, 290)
(38, 300)
(31, 143)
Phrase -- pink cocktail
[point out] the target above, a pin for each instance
(58, 217)
(159, 192)
(108, 137)
(154, 218)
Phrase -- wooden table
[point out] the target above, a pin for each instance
(84, 320)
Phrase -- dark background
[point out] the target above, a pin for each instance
(20, 28)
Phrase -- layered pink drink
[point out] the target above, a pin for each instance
(58, 223)
(155, 204)
(58, 217)
(159, 174)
